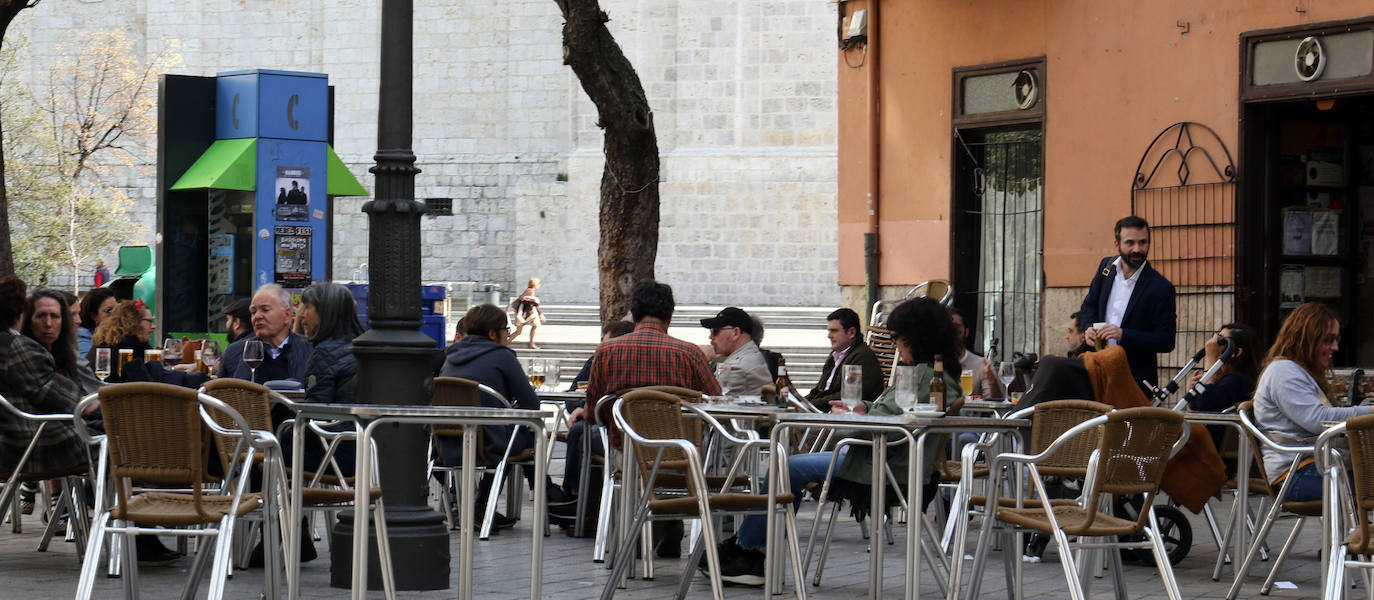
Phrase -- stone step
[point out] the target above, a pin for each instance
(773, 317)
(803, 364)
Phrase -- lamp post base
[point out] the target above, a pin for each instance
(419, 541)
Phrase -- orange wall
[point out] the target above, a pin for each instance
(1117, 73)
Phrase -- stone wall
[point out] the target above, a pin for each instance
(744, 101)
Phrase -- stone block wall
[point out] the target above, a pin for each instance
(744, 101)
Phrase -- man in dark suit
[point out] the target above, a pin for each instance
(847, 347)
(1134, 301)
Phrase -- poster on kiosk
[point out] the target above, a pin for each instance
(255, 203)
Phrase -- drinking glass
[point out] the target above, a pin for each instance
(102, 363)
(1006, 372)
(252, 356)
(152, 355)
(125, 355)
(966, 382)
(904, 386)
(551, 373)
(171, 350)
(209, 353)
(534, 368)
(1101, 341)
(851, 387)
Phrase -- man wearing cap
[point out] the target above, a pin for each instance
(237, 320)
(743, 370)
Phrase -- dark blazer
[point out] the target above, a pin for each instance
(859, 354)
(290, 365)
(1148, 327)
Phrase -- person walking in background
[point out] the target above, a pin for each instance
(1134, 302)
(526, 311)
(102, 275)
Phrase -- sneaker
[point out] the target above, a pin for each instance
(668, 539)
(724, 550)
(151, 552)
(742, 567)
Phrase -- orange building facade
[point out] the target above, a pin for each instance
(994, 144)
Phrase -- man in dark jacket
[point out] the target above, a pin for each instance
(847, 347)
(285, 354)
(483, 356)
(1134, 303)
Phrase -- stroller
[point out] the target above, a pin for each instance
(1071, 380)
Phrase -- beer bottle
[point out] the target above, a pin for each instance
(782, 384)
(937, 384)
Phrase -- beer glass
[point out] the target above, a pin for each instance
(851, 387)
(904, 386)
(102, 363)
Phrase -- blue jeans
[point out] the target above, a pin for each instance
(1307, 484)
(801, 469)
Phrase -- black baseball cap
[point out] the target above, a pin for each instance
(730, 317)
(238, 309)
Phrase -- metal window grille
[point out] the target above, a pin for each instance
(1185, 186)
(1007, 207)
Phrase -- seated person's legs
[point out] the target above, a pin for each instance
(801, 469)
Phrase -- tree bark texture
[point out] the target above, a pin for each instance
(629, 182)
(8, 10)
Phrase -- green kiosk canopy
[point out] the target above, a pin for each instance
(232, 165)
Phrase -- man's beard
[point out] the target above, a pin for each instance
(1134, 260)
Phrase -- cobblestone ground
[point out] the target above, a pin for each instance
(501, 566)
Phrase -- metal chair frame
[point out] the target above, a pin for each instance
(71, 487)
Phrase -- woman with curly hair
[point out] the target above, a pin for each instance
(1292, 398)
(131, 326)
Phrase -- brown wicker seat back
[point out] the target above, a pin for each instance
(1052, 419)
(454, 391)
(156, 436)
(1360, 431)
(1133, 453)
(1247, 408)
(655, 415)
(253, 401)
(880, 341)
(691, 428)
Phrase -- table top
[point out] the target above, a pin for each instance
(1211, 417)
(909, 421)
(374, 411)
(986, 404)
(738, 409)
(577, 395)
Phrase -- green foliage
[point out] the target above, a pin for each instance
(97, 115)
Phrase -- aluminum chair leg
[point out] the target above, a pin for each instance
(603, 520)
(494, 495)
(626, 553)
(131, 562)
(1166, 569)
(384, 549)
(1283, 554)
(220, 566)
(1243, 571)
(90, 563)
(59, 510)
(825, 544)
(584, 478)
(693, 558)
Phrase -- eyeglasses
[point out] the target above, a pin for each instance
(1334, 338)
(148, 320)
(717, 330)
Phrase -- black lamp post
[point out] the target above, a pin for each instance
(394, 356)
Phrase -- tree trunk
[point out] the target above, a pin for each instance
(8, 10)
(629, 182)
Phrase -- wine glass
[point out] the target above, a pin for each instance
(209, 353)
(904, 386)
(252, 356)
(851, 387)
(102, 363)
(171, 350)
(1006, 372)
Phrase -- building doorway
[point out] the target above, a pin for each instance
(1310, 183)
(1306, 195)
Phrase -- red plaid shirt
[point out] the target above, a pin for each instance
(648, 356)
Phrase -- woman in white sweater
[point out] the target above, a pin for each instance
(1291, 399)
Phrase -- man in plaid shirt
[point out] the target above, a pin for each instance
(649, 356)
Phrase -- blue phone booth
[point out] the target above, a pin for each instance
(253, 207)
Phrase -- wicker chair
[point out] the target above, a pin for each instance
(456, 391)
(1049, 421)
(155, 434)
(653, 422)
(73, 482)
(1132, 452)
(1278, 510)
(321, 493)
(1346, 534)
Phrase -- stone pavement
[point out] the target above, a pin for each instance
(502, 563)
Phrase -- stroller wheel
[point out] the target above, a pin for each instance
(1174, 531)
